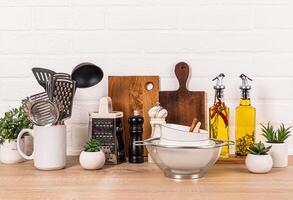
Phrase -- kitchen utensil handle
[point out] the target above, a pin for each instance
(182, 74)
(228, 143)
(29, 131)
(138, 143)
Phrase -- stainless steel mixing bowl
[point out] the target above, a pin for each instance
(184, 162)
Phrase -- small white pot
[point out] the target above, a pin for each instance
(9, 153)
(279, 153)
(92, 160)
(259, 164)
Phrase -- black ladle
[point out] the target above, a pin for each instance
(87, 75)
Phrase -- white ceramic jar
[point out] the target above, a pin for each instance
(259, 164)
(279, 153)
(92, 160)
(9, 153)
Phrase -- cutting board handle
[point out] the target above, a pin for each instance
(182, 74)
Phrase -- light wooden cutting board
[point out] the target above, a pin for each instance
(130, 93)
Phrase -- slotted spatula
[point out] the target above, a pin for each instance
(42, 75)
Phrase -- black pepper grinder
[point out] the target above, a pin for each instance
(136, 153)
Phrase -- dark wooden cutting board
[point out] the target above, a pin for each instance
(184, 105)
(130, 93)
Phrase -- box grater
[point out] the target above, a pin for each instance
(107, 126)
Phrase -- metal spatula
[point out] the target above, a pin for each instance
(42, 75)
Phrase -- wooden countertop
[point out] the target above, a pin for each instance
(142, 181)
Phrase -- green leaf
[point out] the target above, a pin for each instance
(278, 136)
(259, 149)
(93, 145)
(12, 123)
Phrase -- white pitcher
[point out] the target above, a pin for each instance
(49, 147)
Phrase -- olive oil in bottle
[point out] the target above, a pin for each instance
(219, 116)
(245, 120)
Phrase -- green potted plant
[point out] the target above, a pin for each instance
(277, 138)
(92, 157)
(10, 126)
(258, 160)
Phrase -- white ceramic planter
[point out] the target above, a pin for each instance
(259, 164)
(9, 153)
(279, 153)
(92, 160)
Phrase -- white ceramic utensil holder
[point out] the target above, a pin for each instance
(49, 147)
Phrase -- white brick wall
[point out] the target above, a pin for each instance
(136, 37)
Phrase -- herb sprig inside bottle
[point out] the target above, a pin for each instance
(219, 115)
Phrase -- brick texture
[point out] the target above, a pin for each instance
(148, 37)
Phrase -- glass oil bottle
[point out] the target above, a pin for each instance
(219, 116)
(245, 120)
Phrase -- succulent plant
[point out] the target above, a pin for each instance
(275, 136)
(259, 149)
(93, 145)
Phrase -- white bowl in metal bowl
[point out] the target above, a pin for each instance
(174, 134)
(184, 162)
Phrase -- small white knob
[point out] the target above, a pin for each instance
(135, 113)
(162, 113)
(158, 112)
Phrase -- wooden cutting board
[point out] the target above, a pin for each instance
(130, 93)
(184, 105)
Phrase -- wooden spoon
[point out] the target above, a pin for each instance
(197, 127)
(193, 125)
